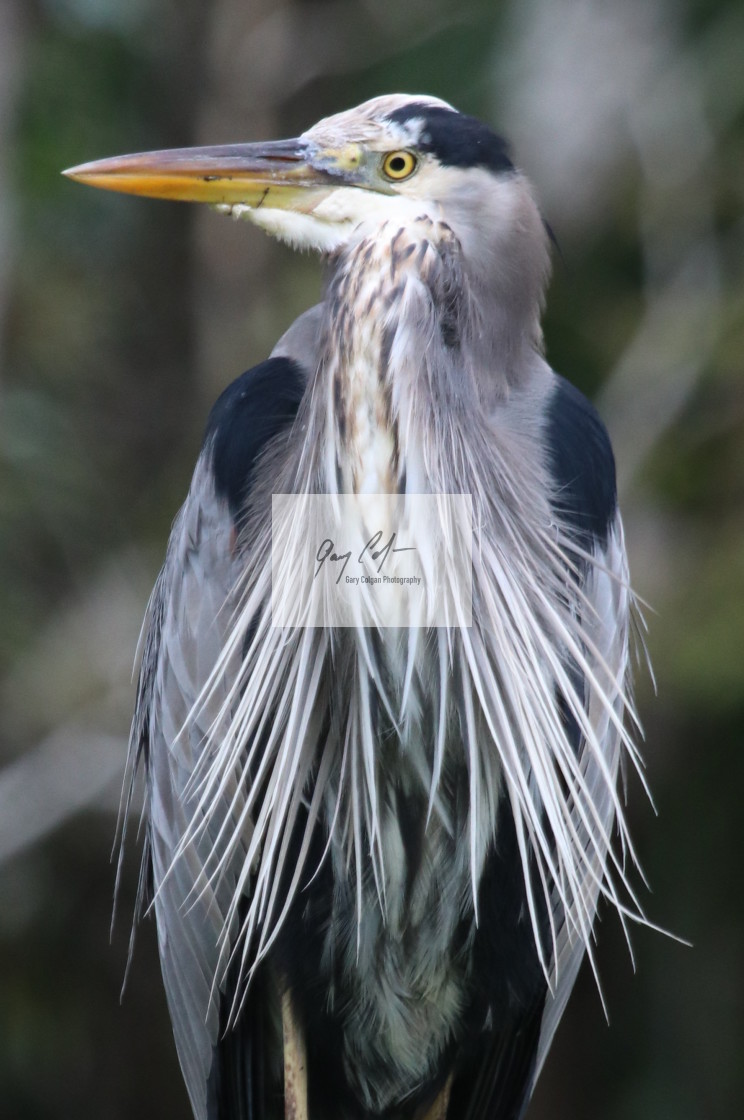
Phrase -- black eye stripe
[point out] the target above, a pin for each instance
(455, 139)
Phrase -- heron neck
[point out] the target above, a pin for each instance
(404, 351)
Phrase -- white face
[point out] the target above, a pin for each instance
(383, 176)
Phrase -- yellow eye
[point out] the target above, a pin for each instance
(399, 165)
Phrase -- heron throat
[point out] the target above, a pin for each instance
(396, 323)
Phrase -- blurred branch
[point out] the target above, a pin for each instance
(69, 771)
(77, 680)
(592, 90)
(661, 367)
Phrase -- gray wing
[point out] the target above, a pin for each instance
(607, 589)
(189, 616)
(583, 471)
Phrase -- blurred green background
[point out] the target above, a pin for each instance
(121, 320)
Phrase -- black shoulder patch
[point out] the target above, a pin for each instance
(256, 407)
(456, 139)
(582, 464)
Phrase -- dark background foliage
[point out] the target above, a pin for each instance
(120, 321)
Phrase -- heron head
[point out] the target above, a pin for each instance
(394, 158)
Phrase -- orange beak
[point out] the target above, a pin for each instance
(230, 174)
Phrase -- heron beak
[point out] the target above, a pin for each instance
(280, 174)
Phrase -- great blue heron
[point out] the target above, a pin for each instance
(375, 849)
